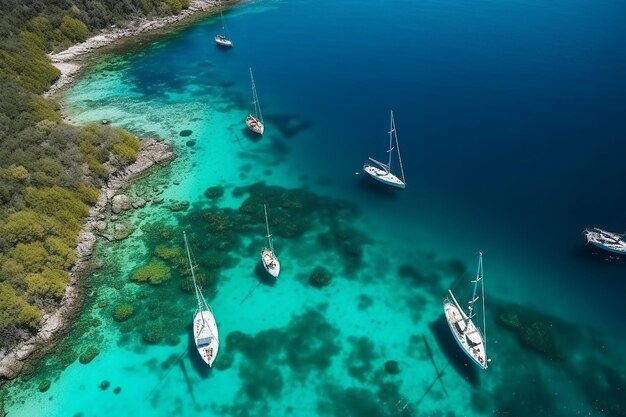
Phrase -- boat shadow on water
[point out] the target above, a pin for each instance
(455, 356)
(263, 276)
(250, 135)
(371, 186)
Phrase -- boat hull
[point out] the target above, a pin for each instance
(608, 241)
(221, 41)
(255, 125)
(384, 177)
(270, 262)
(477, 352)
(205, 336)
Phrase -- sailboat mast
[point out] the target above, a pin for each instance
(269, 236)
(395, 134)
(257, 105)
(391, 131)
(479, 277)
(482, 286)
(199, 297)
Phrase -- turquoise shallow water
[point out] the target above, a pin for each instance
(509, 121)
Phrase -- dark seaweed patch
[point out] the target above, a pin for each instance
(185, 133)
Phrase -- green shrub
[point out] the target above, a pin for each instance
(15, 311)
(74, 29)
(127, 146)
(48, 283)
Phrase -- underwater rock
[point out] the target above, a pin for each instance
(88, 355)
(185, 133)
(392, 367)
(117, 390)
(122, 230)
(120, 202)
(168, 252)
(44, 385)
(179, 205)
(154, 273)
(191, 143)
(533, 330)
(104, 385)
(123, 312)
(320, 277)
(214, 192)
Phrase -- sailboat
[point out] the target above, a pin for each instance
(465, 331)
(609, 241)
(221, 38)
(268, 256)
(382, 172)
(255, 123)
(205, 333)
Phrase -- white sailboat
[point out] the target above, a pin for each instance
(268, 256)
(222, 38)
(609, 241)
(205, 333)
(255, 123)
(465, 331)
(382, 172)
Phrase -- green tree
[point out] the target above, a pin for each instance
(74, 29)
(15, 311)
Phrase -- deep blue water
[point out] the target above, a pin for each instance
(510, 116)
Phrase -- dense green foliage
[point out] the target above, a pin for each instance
(49, 172)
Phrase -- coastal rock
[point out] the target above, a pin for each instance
(10, 366)
(85, 245)
(100, 226)
(120, 203)
(139, 203)
(122, 231)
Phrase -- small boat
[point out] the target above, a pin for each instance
(268, 256)
(609, 241)
(221, 39)
(255, 123)
(382, 172)
(205, 333)
(465, 332)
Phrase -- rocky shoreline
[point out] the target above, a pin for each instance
(69, 60)
(152, 152)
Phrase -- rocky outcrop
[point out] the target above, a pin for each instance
(120, 203)
(151, 152)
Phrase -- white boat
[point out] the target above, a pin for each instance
(255, 123)
(609, 241)
(205, 333)
(467, 335)
(382, 172)
(268, 256)
(221, 38)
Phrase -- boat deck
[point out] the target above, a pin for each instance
(466, 333)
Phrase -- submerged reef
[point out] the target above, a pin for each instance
(533, 329)
(304, 348)
(320, 277)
